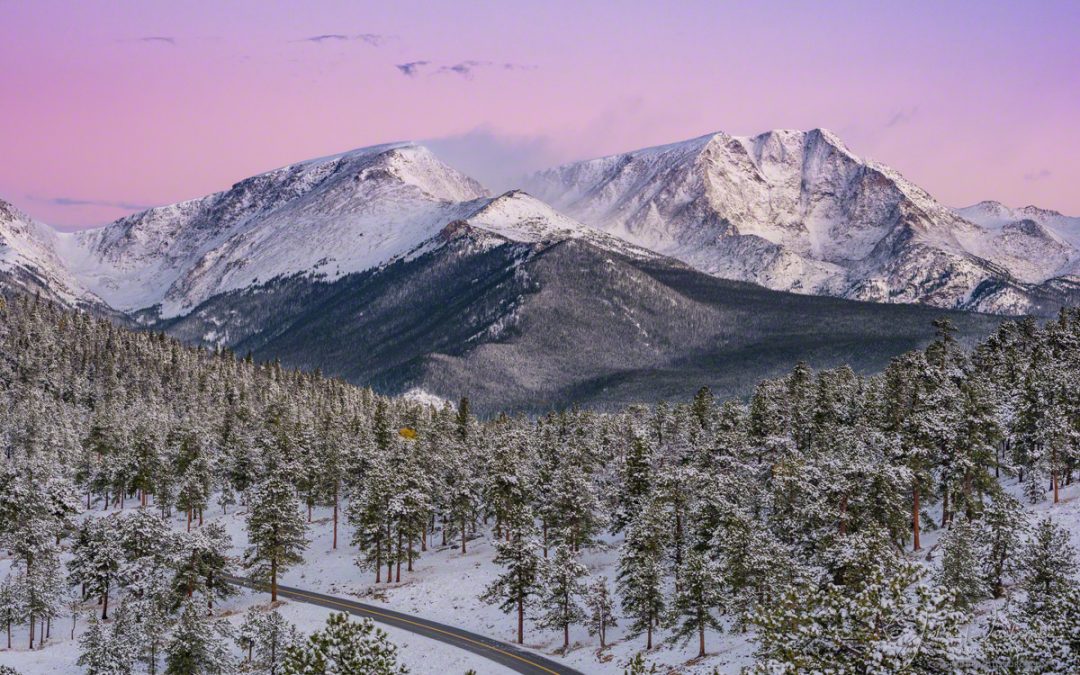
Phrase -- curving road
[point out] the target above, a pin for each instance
(504, 654)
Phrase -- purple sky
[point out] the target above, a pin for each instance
(107, 107)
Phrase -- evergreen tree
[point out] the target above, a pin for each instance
(276, 532)
(561, 593)
(1005, 523)
(894, 624)
(516, 588)
(962, 554)
(198, 645)
(1048, 565)
(640, 571)
(342, 647)
(699, 597)
(601, 608)
(274, 637)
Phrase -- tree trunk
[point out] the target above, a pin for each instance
(378, 560)
(32, 620)
(399, 556)
(565, 638)
(945, 516)
(648, 642)
(105, 603)
(915, 517)
(521, 621)
(389, 555)
(701, 639)
(335, 514)
(273, 580)
(463, 533)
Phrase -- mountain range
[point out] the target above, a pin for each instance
(639, 276)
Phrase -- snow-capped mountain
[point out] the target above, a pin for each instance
(29, 258)
(1035, 244)
(798, 211)
(388, 268)
(332, 216)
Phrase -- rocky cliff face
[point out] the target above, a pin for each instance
(798, 211)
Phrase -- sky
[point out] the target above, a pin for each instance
(111, 107)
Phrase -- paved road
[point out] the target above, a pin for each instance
(502, 653)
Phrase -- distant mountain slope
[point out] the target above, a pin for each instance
(29, 259)
(331, 216)
(542, 323)
(798, 211)
(389, 268)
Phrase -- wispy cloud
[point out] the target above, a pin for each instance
(496, 159)
(373, 39)
(412, 68)
(902, 117)
(1038, 175)
(72, 201)
(319, 39)
(153, 40)
(466, 69)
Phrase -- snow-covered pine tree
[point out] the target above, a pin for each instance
(344, 646)
(12, 603)
(1048, 565)
(516, 588)
(698, 599)
(274, 637)
(276, 530)
(641, 574)
(601, 608)
(892, 624)
(198, 645)
(963, 551)
(561, 593)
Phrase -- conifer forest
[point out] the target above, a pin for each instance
(911, 521)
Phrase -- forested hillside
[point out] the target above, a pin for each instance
(840, 523)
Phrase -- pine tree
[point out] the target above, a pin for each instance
(1048, 565)
(344, 646)
(601, 607)
(1005, 523)
(198, 645)
(699, 597)
(892, 624)
(248, 634)
(516, 588)
(560, 596)
(640, 570)
(962, 552)
(12, 603)
(276, 532)
(274, 637)
(102, 654)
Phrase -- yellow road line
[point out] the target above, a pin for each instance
(418, 624)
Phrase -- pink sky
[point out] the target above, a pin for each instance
(109, 106)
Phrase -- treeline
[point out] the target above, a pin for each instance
(794, 516)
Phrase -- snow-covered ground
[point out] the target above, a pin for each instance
(446, 586)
